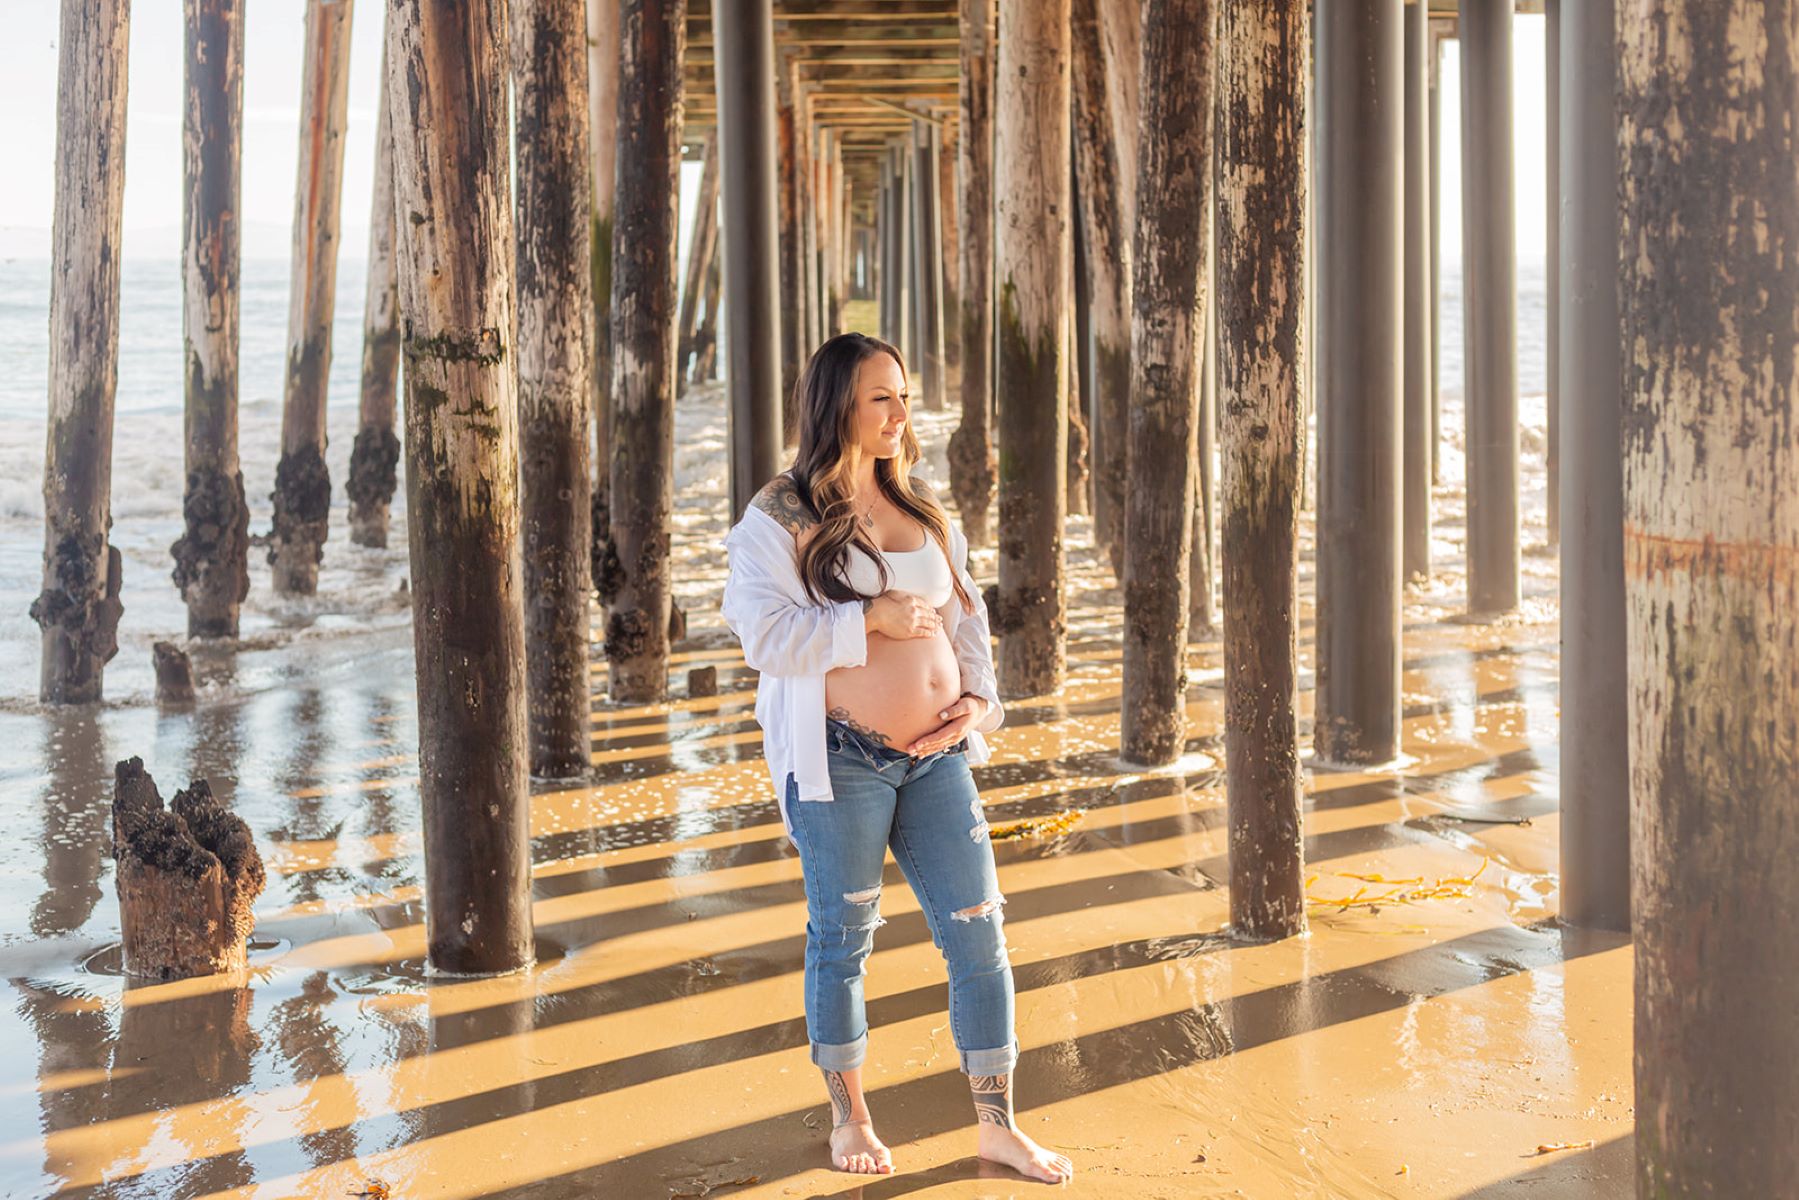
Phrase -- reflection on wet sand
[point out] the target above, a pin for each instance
(1403, 1048)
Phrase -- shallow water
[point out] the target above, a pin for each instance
(658, 1049)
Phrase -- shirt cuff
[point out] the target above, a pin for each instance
(995, 714)
(849, 635)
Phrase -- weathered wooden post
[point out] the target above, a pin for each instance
(188, 878)
(377, 450)
(705, 340)
(1030, 189)
(743, 38)
(702, 245)
(1595, 750)
(806, 176)
(1105, 155)
(1262, 313)
(884, 219)
(1707, 114)
(212, 555)
(1202, 559)
(78, 609)
(793, 321)
(1171, 269)
(302, 492)
(1360, 325)
(949, 238)
(447, 75)
(1416, 455)
(928, 267)
(643, 340)
(602, 143)
(971, 457)
(1080, 360)
(907, 206)
(1490, 316)
(555, 314)
(1080, 475)
(831, 235)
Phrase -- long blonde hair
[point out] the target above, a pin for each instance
(829, 454)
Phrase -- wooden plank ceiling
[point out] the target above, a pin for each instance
(869, 67)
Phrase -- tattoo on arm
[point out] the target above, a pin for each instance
(842, 717)
(781, 500)
(840, 1097)
(992, 1099)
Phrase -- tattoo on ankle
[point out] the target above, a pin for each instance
(992, 1099)
(842, 717)
(840, 1097)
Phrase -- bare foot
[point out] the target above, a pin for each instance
(855, 1148)
(1010, 1148)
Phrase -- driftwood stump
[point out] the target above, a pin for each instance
(188, 876)
(174, 674)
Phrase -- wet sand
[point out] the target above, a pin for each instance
(1406, 1047)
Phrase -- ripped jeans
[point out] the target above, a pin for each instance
(928, 812)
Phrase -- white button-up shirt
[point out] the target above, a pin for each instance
(794, 643)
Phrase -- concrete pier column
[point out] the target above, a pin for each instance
(1415, 552)
(1595, 842)
(745, 80)
(1361, 161)
(1490, 315)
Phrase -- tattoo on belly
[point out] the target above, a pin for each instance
(842, 717)
(992, 1099)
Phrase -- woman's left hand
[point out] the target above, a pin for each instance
(958, 719)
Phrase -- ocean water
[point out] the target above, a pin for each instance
(359, 587)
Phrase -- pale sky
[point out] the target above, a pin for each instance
(272, 60)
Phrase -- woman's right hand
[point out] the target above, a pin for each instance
(898, 614)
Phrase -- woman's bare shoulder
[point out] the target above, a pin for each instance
(780, 498)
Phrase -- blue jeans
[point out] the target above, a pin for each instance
(928, 812)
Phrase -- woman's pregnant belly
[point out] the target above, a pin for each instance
(898, 693)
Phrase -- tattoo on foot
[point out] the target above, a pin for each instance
(780, 499)
(992, 1099)
(840, 1098)
(842, 717)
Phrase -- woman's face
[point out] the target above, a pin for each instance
(881, 409)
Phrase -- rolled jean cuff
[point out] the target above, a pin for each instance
(846, 1056)
(998, 1061)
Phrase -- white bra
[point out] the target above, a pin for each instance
(924, 571)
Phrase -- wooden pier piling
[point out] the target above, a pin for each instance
(643, 344)
(1031, 220)
(302, 492)
(972, 463)
(1707, 111)
(555, 312)
(376, 453)
(1168, 295)
(1262, 311)
(448, 67)
(78, 609)
(212, 555)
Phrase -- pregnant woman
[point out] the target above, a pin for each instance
(850, 592)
